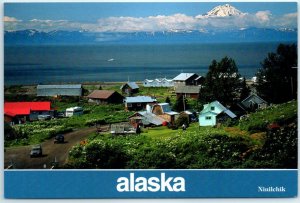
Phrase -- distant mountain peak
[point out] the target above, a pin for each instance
(223, 11)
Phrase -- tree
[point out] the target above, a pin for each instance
(222, 82)
(168, 100)
(180, 104)
(277, 79)
(245, 90)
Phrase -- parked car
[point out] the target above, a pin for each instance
(60, 115)
(36, 151)
(59, 139)
(44, 117)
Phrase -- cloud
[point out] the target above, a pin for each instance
(179, 21)
(263, 16)
(10, 19)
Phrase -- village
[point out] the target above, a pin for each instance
(142, 106)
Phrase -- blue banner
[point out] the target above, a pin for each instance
(150, 183)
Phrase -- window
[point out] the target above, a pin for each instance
(139, 104)
(129, 104)
(212, 108)
(208, 117)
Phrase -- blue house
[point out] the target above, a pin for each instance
(214, 113)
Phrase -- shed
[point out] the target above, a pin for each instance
(59, 90)
(253, 102)
(105, 97)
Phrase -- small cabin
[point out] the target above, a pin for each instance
(129, 88)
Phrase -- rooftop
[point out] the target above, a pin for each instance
(188, 89)
(101, 94)
(183, 76)
(75, 86)
(139, 99)
(24, 108)
(133, 85)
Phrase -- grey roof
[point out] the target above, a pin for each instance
(230, 113)
(76, 86)
(188, 89)
(62, 90)
(133, 85)
(151, 118)
(223, 109)
(139, 99)
(207, 108)
(183, 76)
(199, 77)
(258, 99)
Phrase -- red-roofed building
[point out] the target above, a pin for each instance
(23, 111)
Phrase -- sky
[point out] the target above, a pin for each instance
(127, 17)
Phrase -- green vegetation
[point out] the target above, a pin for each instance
(38, 131)
(162, 148)
(199, 147)
(280, 114)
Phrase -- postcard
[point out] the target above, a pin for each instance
(150, 100)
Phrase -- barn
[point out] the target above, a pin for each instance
(20, 112)
(59, 90)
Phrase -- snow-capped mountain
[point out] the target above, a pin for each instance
(223, 11)
(28, 37)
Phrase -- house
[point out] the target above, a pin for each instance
(59, 90)
(105, 97)
(163, 110)
(138, 103)
(214, 113)
(146, 118)
(161, 82)
(130, 88)
(188, 91)
(185, 79)
(253, 102)
(20, 112)
(155, 115)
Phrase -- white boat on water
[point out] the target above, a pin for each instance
(112, 59)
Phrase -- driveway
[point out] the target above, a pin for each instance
(20, 156)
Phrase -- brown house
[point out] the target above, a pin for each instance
(188, 91)
(105, 97)
(184, 79)
(130, 88)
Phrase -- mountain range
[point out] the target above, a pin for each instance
(252, 34)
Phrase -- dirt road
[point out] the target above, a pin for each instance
(20, 156)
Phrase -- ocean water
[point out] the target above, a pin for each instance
(108, 63)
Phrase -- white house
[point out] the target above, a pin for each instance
(214, 113)
(158, 82)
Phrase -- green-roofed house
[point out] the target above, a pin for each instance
(214, 113)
